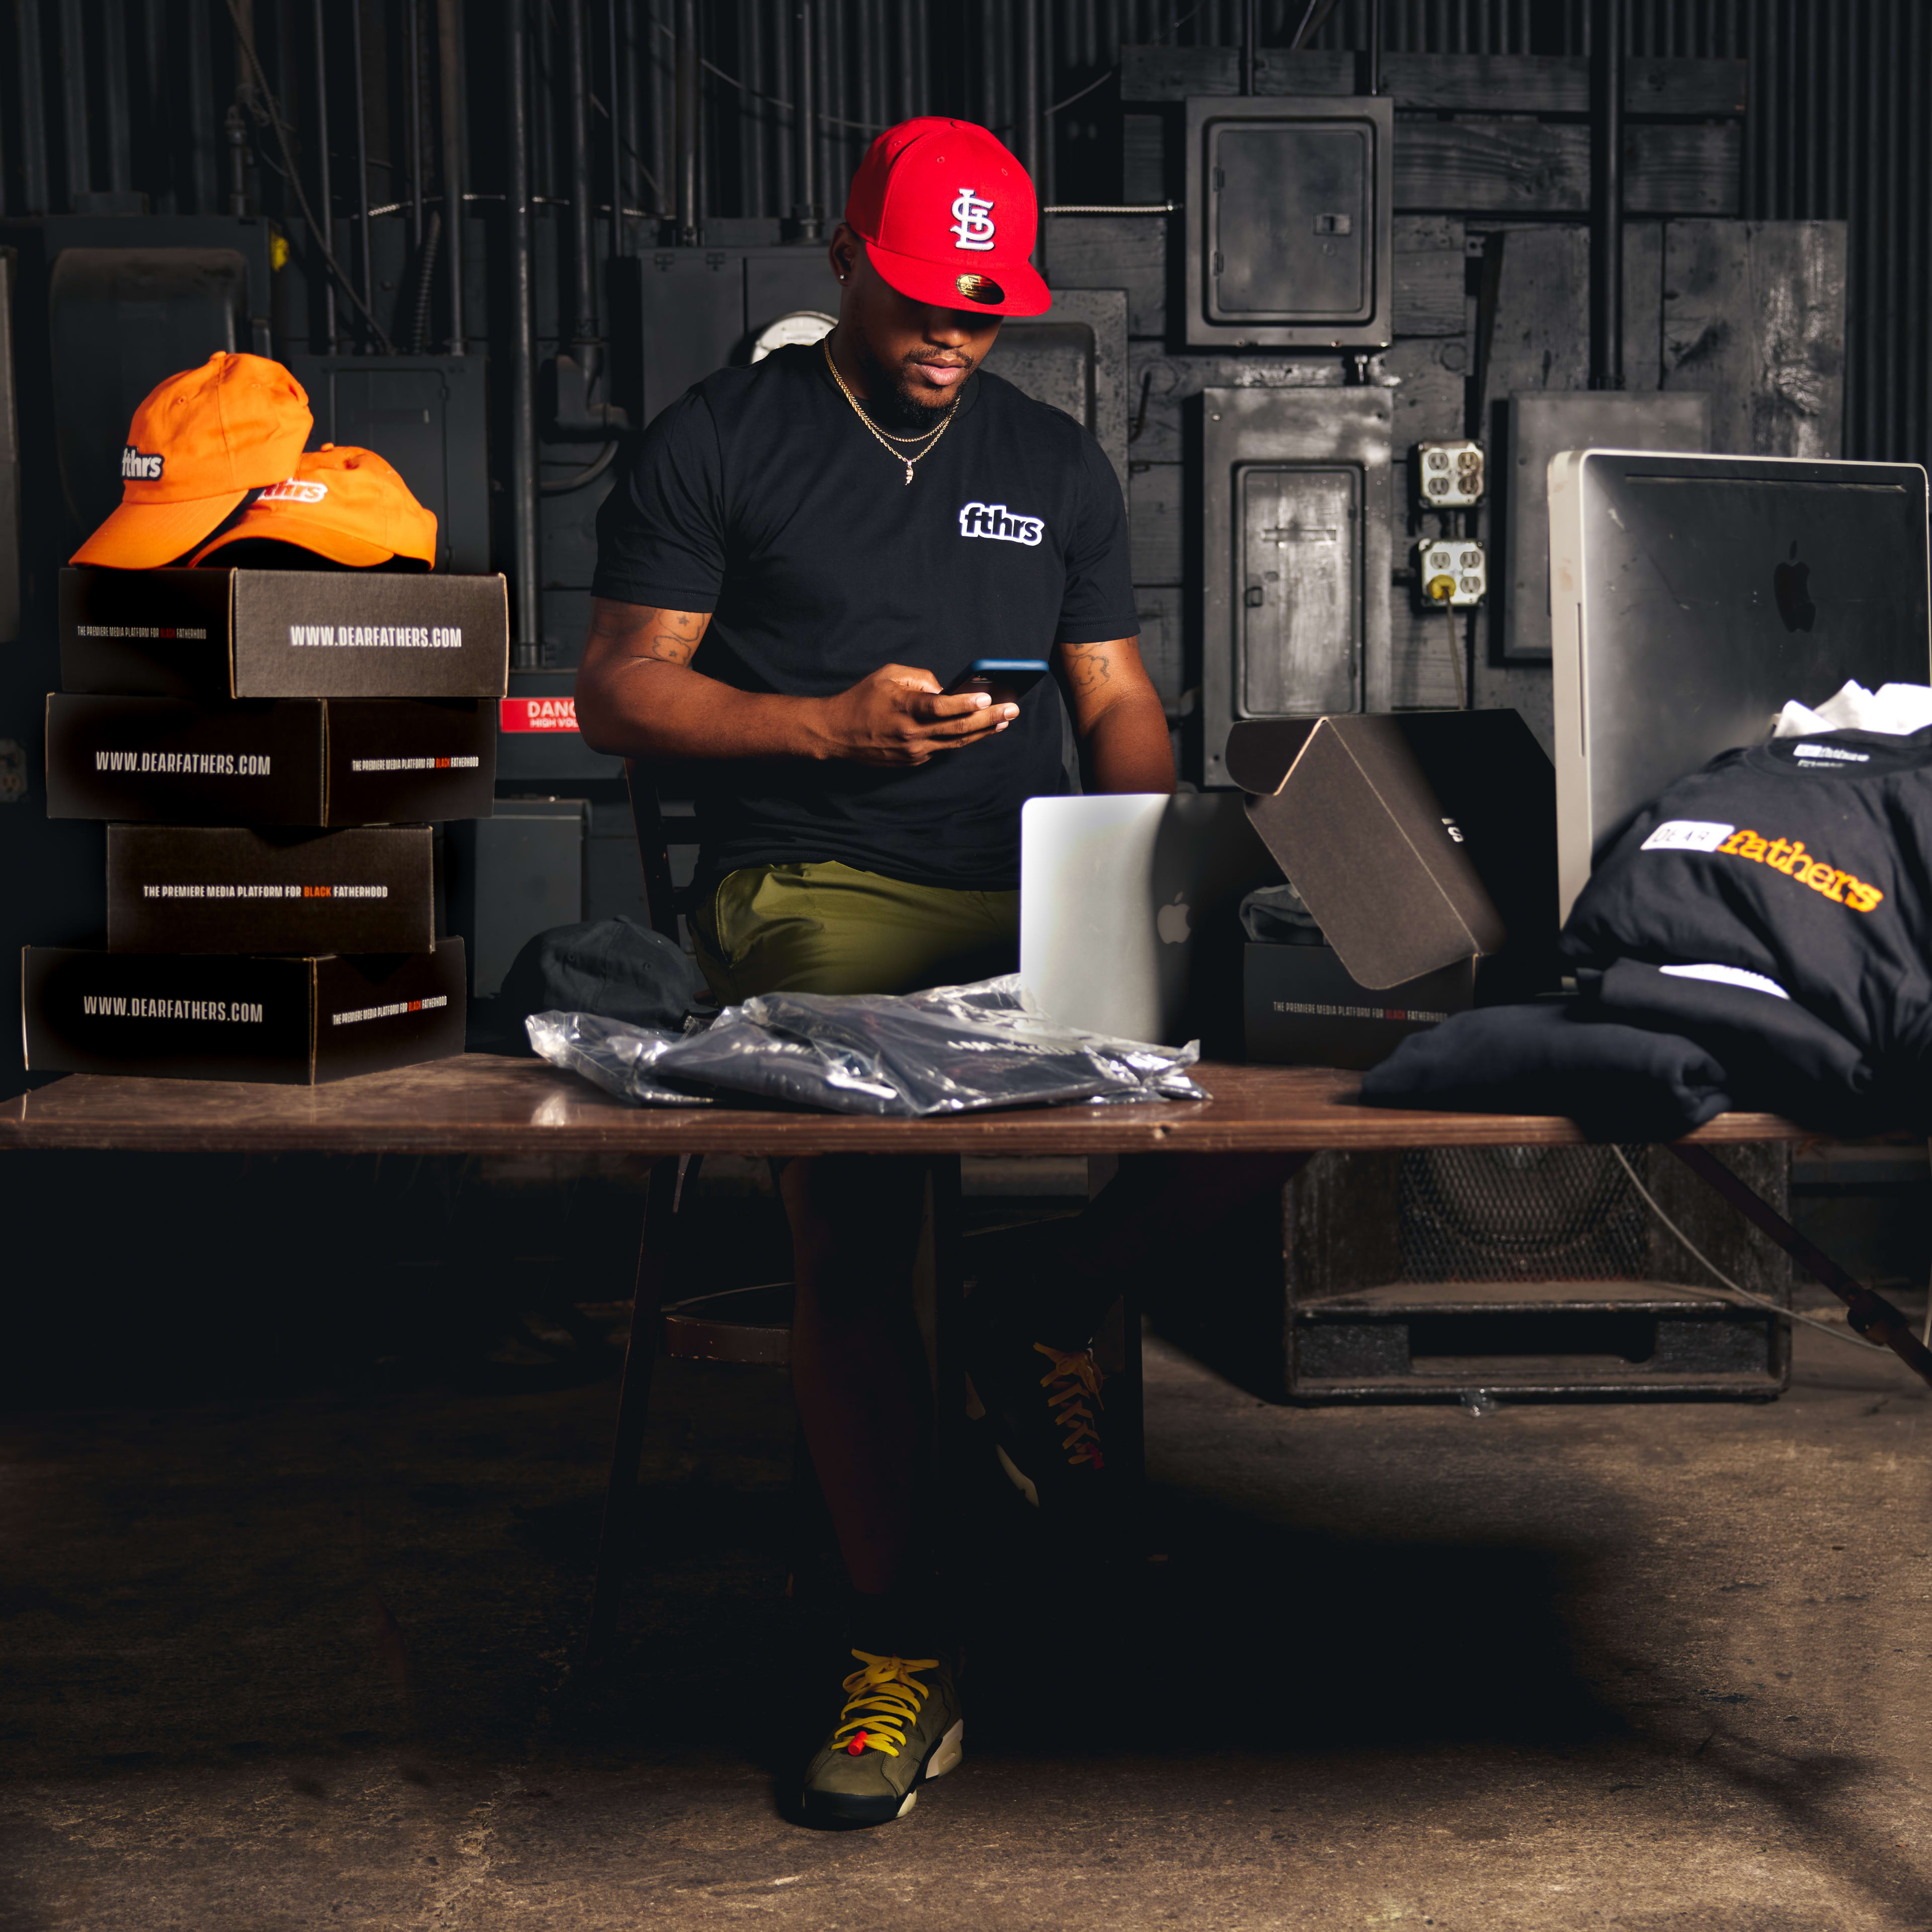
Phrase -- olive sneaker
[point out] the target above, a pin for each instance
(1045, 1426)
(900, 1727)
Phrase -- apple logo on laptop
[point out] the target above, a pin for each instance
(1171, 922)
(1788, 581)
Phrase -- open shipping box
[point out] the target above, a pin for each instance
(1424, 844)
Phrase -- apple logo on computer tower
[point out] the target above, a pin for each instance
(1171, 922)
(1790, 583)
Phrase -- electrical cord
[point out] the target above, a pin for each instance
(579, 479)
(1741, 1293)
(245, 39)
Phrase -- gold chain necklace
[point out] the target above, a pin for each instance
(930, 437)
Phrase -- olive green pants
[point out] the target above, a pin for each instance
(826, 928)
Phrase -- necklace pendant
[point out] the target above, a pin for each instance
(908, 473)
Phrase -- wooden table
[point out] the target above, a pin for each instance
(483, 1104)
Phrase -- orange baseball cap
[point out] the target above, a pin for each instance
(347, 504)
(201, 441)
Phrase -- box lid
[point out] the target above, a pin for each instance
(1367, 815)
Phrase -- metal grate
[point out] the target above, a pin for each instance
(1521, 1214)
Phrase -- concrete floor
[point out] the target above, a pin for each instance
(306, 1663)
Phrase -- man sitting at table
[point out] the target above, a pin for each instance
(804, 553)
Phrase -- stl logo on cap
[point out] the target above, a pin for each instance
(199, 441)
(930, 189)
(973, 220)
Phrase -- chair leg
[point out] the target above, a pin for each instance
(613, 1547)
(949, 1308)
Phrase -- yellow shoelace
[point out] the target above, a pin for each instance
(885, 1699)
(1083, 1385)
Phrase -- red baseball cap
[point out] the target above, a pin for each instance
(948, 217)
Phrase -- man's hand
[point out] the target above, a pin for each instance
(899, 716)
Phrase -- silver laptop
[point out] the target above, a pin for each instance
(1130, 913)
(1691, 595)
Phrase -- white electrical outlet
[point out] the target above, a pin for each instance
(1458, 560)
(1450, 474)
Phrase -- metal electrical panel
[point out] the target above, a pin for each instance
(1295, 537)
(1542, 424)
(697, 309)
(1074, 357)
(515, 875)
(1290, 233)
(425, 415)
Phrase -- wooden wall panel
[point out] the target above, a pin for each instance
(1543, 167)
(1754, 313)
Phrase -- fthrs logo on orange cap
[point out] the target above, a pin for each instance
(198, 444)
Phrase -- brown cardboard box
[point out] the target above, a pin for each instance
(1300, 1008)
(228, 888)
(291, 1022)
(292, 761)
(1423, 843)
(219, 633)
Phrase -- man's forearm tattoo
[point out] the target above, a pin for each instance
(1088, 666)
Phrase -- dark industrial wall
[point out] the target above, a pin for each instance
(100, 103)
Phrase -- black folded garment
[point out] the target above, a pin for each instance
(1778, 1057)
(613, 968)
(1617, 1082)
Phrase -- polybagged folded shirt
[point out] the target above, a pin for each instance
(953, 1049)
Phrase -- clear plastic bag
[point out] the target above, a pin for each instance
(955, 1049)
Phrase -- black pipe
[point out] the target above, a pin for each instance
(583, 205)
(362, 158)
(1251, 43)
(413, 54)
(73, 101)
(117, 108)
(614, 121)
(33, 111)
(1371, 79)
(1029, 89)
(690, 125)
(524, 637)
(324, 212)
(1607, 194)
(807, 210)
(449, 66)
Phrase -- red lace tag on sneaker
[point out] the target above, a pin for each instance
(856, 1747)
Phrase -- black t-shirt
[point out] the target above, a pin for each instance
(1805, 865)
(759, 496)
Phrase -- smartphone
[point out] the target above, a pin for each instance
(1005, 680)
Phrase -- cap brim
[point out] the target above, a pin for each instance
(338, 546)
(144, 536)
(1019, 289)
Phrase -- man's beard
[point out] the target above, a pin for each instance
(892, 401)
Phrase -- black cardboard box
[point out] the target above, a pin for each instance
(216, 633)
(290, 761)
(1301, 1008)
(289, 1022)
(231, 888)
(1423, 842)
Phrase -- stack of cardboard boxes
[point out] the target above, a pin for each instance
(271, 748)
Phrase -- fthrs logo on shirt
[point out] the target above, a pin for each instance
(1787, 855)
(995, 519)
